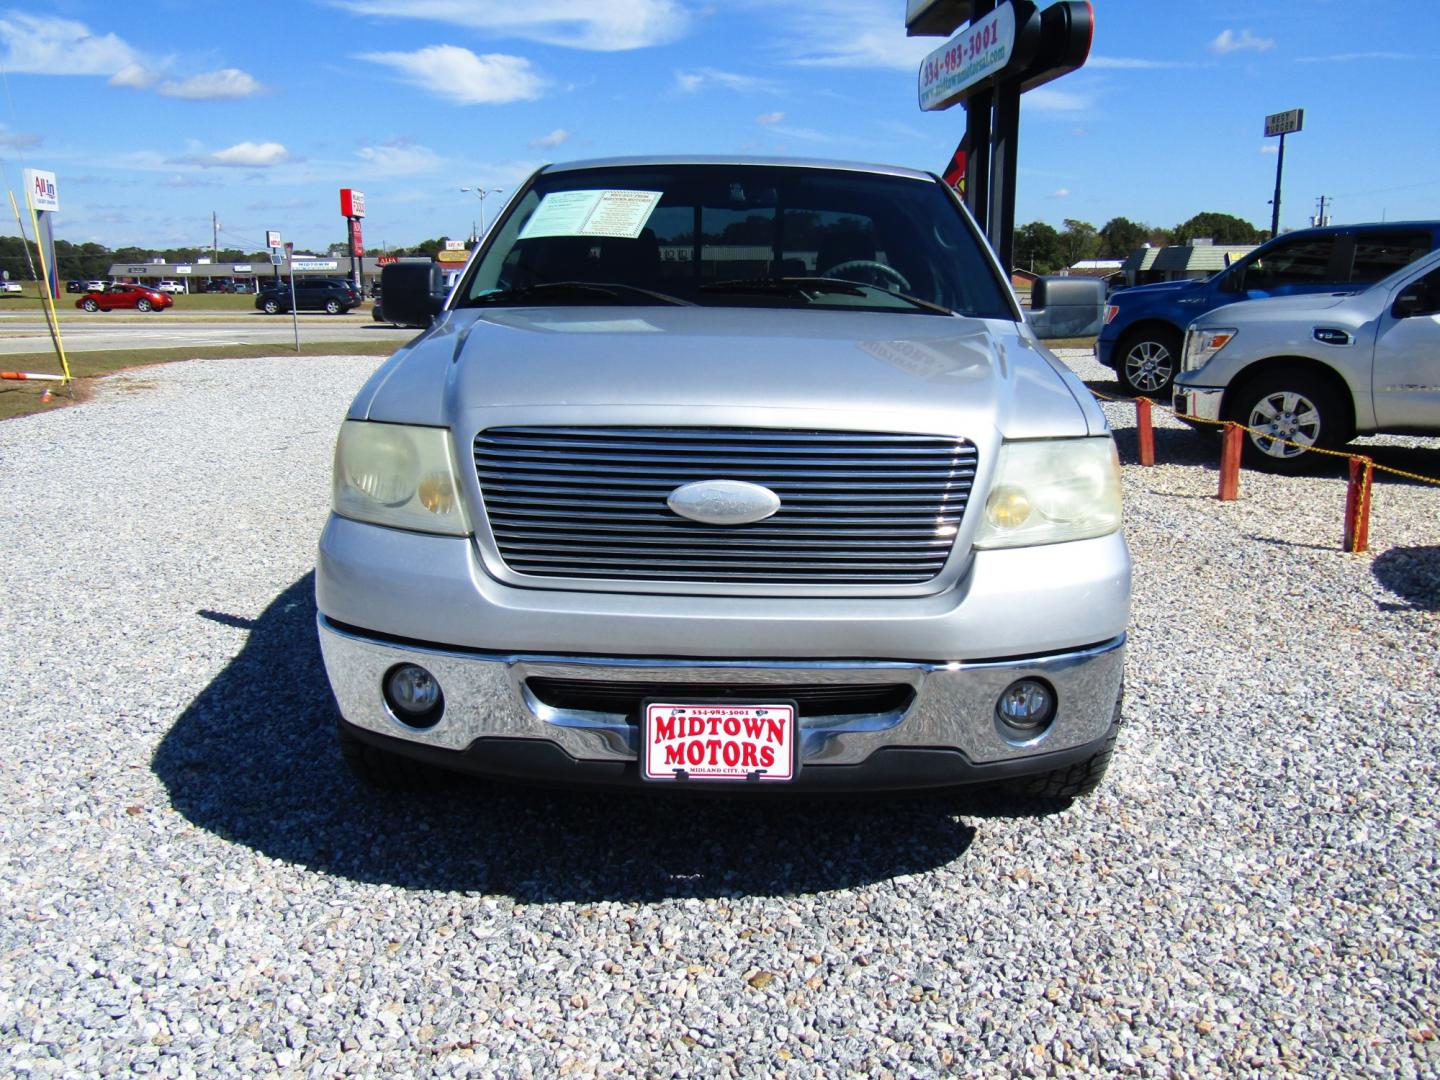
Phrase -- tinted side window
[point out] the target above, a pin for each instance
(1302, 262)
(1378, 255)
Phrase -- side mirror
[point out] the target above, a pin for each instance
(1416, 300)
(414, 292)
(1234, 280)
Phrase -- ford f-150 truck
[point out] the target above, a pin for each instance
(726, 474)
(1144, 326)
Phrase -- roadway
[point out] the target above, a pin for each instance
(90, 333)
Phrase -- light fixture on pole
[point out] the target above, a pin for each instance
(480, 193)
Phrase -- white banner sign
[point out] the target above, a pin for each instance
(241, 268)
(315, 264)
(40, 186)
(183, 269)
(973, 55)
(1284, 123)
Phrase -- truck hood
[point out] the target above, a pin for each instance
(1157, 288)
(728, 366)
(1274, 308)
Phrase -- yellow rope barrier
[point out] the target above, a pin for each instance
(1373, 466)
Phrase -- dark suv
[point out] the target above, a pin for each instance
(333, 295)
(1144, 326)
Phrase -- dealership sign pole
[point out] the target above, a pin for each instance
(1282, 124)
(352, 209)
(43, 197)
(1004, 49)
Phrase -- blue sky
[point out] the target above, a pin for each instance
(154, 114)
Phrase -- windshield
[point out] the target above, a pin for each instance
(737, 236)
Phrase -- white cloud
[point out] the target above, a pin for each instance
(19, 140)
(770, 118)
(459, 76)
(1126, 63)
(1051, 99)
(549, 142)
(852, 34)
(1345, 58)
(804, 134)
(1060, 193)
(690, 81)
(134, 77)
(44, 45)
(399, 157)
(1229, 42)
(1270, 148)
(245, 155)
(578, 24)
(213, 85)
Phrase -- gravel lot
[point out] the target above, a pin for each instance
(192, 885)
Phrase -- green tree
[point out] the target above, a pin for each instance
(1080, 240)
(1037, 248)
(1222, 228)
(1120, 236)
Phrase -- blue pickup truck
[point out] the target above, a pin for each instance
(1145, 326)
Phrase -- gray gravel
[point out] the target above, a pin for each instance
(190, 884)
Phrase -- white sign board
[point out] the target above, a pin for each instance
(41, 189)
(1284, 123)
(454, 245)
(592, 213)
(977, 52)
(183, 269)
(241, 268)
(272, 238)
(314, 264)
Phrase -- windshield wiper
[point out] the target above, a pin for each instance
(610, 290)
(805, 286)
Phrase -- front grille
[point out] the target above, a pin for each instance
(856, 507)
(812, 700)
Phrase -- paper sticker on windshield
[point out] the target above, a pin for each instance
(592, 213)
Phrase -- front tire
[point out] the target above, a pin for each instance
(1057, 789)
(143, 305)
(381, 769)
(270, 307)
(1289, 412)
(89, 304)
(332, 307)
(1149, 360)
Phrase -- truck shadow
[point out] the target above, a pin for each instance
(1412, 574)
(253, 760)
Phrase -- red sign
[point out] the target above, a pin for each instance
(352, 203)
(719, 742)
(357, 242)
(386, 260)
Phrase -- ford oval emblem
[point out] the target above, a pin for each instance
(723, 502)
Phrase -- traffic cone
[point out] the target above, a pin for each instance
(45, 396)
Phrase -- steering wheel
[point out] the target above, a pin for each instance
(880, 269)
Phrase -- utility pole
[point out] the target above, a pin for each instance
(214, 238)
(1320, 218)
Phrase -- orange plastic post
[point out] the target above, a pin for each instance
(1230, 463)
(1145, 431)
(1357, 505)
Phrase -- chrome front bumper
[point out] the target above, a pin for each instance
(953, 709)
(1201, 402)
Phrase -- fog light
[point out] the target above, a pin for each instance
(1026, 707)
(413, 695)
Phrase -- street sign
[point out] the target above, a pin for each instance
(44, 195)
(982, 50)
(352, 202)
(1284, 123)
(272, 238)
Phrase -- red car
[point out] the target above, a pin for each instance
(139, 297)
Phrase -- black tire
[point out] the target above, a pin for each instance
(1291, 404)
(332, 307)
(1057, 789)
(1148, 360)
(271, 307)
(143, 305)
(381, 769)
(89, 304)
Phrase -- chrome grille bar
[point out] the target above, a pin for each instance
(856, 507)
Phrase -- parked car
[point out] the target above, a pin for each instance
(1317, 370)
(1144, 326)
(648, 506)
(8, 286)
(97, 285)
(171, 287)
(74, 285)
(138, 297)
(332, 295)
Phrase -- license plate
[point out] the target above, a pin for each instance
(719, 741)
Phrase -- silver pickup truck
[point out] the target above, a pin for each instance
(1315, 371)
(729, 474)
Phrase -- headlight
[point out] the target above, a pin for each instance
(1111, 310)
(1047, 491)
(1203, 343)
(397, 475)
